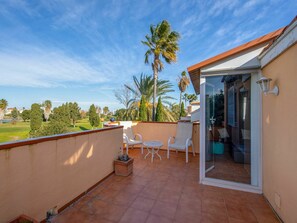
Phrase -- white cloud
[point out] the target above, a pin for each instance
(36, 67)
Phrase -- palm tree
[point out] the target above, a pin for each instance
(183, 83)
(162, 43)
(47, 108)
(144, 86)
(3, 106)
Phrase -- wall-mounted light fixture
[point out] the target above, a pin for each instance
(264, 84)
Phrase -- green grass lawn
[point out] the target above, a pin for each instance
(10, 132)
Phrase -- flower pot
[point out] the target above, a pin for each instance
(23, 219)
(123, 168)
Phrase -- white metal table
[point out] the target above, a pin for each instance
(153, 148)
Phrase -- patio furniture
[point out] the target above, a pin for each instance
(153, 148)
(182, 140)
(129, 138)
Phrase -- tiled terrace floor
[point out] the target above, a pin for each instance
(165, 191)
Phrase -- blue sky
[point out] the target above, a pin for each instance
(83, 50)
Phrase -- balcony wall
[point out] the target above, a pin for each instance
(37, 175)
(279, 136)
(162, 131)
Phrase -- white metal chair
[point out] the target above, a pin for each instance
(182, 140)
(129, 138)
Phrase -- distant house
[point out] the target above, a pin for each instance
(8, 111)
(247, 129)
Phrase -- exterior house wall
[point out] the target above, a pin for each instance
(162, 131)
(279, 136)
(36, 177)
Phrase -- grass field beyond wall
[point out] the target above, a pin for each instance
(19, 131)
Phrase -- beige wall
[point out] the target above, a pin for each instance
(280, 136)
(35, 178)
(162, 131)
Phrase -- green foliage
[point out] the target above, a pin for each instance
(26, 115)
(162, 42)
(74, 112)
(142, 109)
(175, 111)
(3, 104)
(105, 110)
(61, 114)
(93, 116)
(182, 110)
(120, 114)
(191, 97)
(35, 118)
(54, 127)
(160, 111)
(47, 104)
(14, 114)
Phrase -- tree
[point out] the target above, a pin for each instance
(126, 98)
(93, 117)
(3, 106)
(161, 43)
(61, 114)
(191, 97)
(47, 106)
(59, 121)
(144, 86)
(25, 115)
(182, 110)
(14, 114)
(183, 83)
(105, 110)
(175, 111)
(35, 118)
(74, 112)
(119, 114)
(160, 111)
(142, 109)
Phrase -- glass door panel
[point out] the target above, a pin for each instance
(228, 128)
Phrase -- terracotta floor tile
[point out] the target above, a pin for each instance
(241, 213)
(143, 203)
(166, 191)
(164, 209)
(212, 206)
(134, 216)
(113, 212)
(213, 218)
(125, 199)
(169, 196)
(157, 219)
(186, 214)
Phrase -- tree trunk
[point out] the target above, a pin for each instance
(180, 101)
(155, 68)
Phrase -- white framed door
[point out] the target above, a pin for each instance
(252, 143)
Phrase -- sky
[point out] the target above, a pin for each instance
(66, 50)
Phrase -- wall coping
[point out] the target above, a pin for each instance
(194, 123)
(10, 145)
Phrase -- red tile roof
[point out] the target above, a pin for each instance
(266, 38)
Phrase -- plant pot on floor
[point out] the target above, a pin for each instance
(123, 168)
(23, 219)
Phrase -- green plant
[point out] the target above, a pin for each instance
(123, 157)
(93, 117)
(35, 118)
(162, 42)
(160, 111)
(182, 110)
(142, 109)
(25, 115)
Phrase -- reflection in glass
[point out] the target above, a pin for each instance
(228, 128)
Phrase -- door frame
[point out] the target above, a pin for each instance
(256, 136)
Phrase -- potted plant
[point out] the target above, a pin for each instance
(23, 219)
(123, 165)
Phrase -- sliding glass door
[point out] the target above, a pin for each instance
(227, 128)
